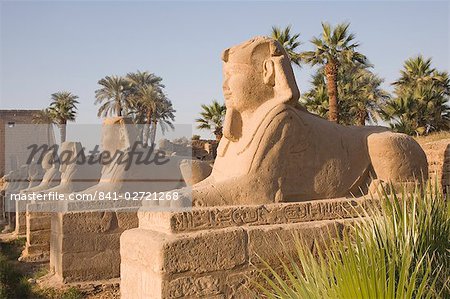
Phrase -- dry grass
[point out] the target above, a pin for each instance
(433, 137)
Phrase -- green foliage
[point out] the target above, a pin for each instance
(195, 137)
(420, 104)
(400, 251)
(212, 118)
(43, 117)
(335, 45)
(148, 104)
(112, 96)
(289, 42)
(62, 109)
(334, 50)
(72, 293)
(360, 95)
(12, 283)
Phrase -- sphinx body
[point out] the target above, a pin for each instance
(296, 156)
(51, 176)
(275, 151)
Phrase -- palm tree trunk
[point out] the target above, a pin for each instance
(49, 131)
(146, 133)
(118, 107)
(331, 74)
(153, 135)
(218, 133)
(62, 132)
(362, 118)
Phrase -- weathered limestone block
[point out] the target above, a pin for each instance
(438, 156)
(209, 252)
(252, 215)
(84, 245)
(273, 242)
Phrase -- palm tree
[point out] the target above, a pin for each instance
(289, 43)
(145, 99)
(44, 117)
(416, 70)
(144, 78)
(212, 118)
(365, 96)
(112, 96)
(420, 105)
(144, 94)
(361, 97)
(332, 50)
(63, 109)
(316, 100)
(164, 115)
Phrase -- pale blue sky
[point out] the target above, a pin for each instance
(51, 46)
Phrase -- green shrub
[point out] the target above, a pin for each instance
(72, 293)
(400, 251)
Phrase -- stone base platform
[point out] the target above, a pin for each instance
(210, 252)
(84, 245)
(37, 246)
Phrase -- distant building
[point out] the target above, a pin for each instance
(17, 132)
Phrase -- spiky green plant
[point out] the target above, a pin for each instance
(400, 251)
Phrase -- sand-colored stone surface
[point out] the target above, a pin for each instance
(84, 241)
(273, 159)
(207, 252)
(273, 151)
(438, 155)
(74, 177)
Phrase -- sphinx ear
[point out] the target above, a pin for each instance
(269, 72)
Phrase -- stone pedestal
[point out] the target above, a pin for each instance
(84, 246)
(37, 246)
(209, 252)
(21, 220)
(438, 156)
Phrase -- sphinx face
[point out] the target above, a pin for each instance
(111, 138)
(243, 86)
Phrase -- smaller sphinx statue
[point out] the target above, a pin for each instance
(76, 174)
(122, 173)
(35, 174)
(51, 177)
(16, 181)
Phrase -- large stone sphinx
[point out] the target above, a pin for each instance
(275, 151)
(273, 165)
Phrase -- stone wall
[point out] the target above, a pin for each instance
(438, 156)
(10, 129)
(84, 246)
(209, 252)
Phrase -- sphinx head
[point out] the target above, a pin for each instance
(50, 160)
(255, 72)
(118, 133)
(70, 154)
